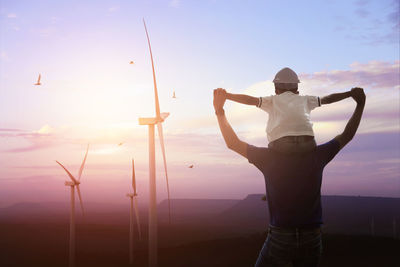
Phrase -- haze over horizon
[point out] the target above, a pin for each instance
(91, 94)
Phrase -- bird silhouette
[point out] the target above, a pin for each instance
(131, 62)
(191, 167)
(38, 80)
(173, 95)
(120, 144)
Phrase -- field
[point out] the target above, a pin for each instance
(107, 245)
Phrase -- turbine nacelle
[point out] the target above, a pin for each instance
(154, 120)
(71, 183)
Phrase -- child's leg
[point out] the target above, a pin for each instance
(283, 146)
(293, 144)
(307, 146)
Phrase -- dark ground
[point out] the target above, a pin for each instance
(107, 245)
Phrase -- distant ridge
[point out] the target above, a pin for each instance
(341, 214)
(198, 206)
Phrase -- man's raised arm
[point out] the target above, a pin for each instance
(243, 99)
(230, 137)
(352, 125)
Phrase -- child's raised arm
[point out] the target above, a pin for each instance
(243, 99)
(334, 97)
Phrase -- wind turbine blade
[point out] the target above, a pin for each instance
(133, 178)
(83, 164)
(80, 197)
(161, 137)
(137, 218)
(69, 174)
(154, 74)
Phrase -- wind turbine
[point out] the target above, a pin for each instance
(74, 183)
(160, 117)
(131, 196)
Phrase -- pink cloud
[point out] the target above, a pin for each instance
(10, 130)
(37, 139)
(374, 74)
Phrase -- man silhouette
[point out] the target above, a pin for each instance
(293, 186)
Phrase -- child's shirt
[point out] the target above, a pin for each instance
(289, 114)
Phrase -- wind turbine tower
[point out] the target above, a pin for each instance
(133, 196)
(157, 120)
(74, 183)
(372, 226)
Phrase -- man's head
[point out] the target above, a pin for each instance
(286, 80)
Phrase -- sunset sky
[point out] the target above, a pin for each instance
(91, 94)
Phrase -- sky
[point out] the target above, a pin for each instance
(91, 94)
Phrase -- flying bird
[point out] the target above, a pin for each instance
(174, 96)
(120, 144)
(38, 80)
(191, 167)
(131, 62)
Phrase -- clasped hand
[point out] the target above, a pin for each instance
(358, 95)
(219, 99)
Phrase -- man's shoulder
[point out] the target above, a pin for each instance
(327, 151)
(331, 144)
(257, 155)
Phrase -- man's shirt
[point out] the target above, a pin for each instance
(289, 114)
(293, 183)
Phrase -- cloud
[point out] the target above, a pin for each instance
(370, 25)
(374, 74)
(113, 9)
(361, 10)
(47, 31)
(3, 55)
(45, 137)
(49, 136)
(46, 129)
(393, 17)
(175, 3)
(10, 130)
(33, 147)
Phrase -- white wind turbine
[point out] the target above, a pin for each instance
(160, 117)
(74, 183)
(133, 196)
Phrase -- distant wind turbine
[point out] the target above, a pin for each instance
(372, 224)
(38, 80)
(133, 196)
(160, 117)
(74, 183)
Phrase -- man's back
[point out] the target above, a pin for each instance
(293, 183)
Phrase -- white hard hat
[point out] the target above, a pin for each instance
(286, 75)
